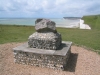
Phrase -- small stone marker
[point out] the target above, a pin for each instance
(44, 48)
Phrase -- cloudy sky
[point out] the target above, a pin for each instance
(48, 8)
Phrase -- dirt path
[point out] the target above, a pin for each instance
(81, 62)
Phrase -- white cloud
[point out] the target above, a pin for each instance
(49, 7)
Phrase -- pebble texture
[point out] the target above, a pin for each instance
(41, 60)
(49, 40)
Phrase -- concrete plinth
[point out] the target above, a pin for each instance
(56, 59)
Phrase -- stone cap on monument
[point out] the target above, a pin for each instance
(45, 25)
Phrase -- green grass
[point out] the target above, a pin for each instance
(87, 38)
(93, 21)
(13, 33)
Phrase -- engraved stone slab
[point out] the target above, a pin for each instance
(56, 59)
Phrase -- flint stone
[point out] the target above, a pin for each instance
(55, 59)
(49, 40)
(45, 25)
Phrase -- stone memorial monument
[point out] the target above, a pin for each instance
(45, 47)
(46, 36)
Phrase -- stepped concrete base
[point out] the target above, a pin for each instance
(56, 59)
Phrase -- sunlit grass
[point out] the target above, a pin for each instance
(88, 38)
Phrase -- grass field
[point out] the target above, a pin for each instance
(87, 38)
(93, 21)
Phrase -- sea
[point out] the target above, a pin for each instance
(60, 22)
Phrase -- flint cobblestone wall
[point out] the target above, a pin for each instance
(41, 60)
(45, 40)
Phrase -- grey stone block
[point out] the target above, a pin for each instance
(45, 25)
(56, 59)
(47, 40)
